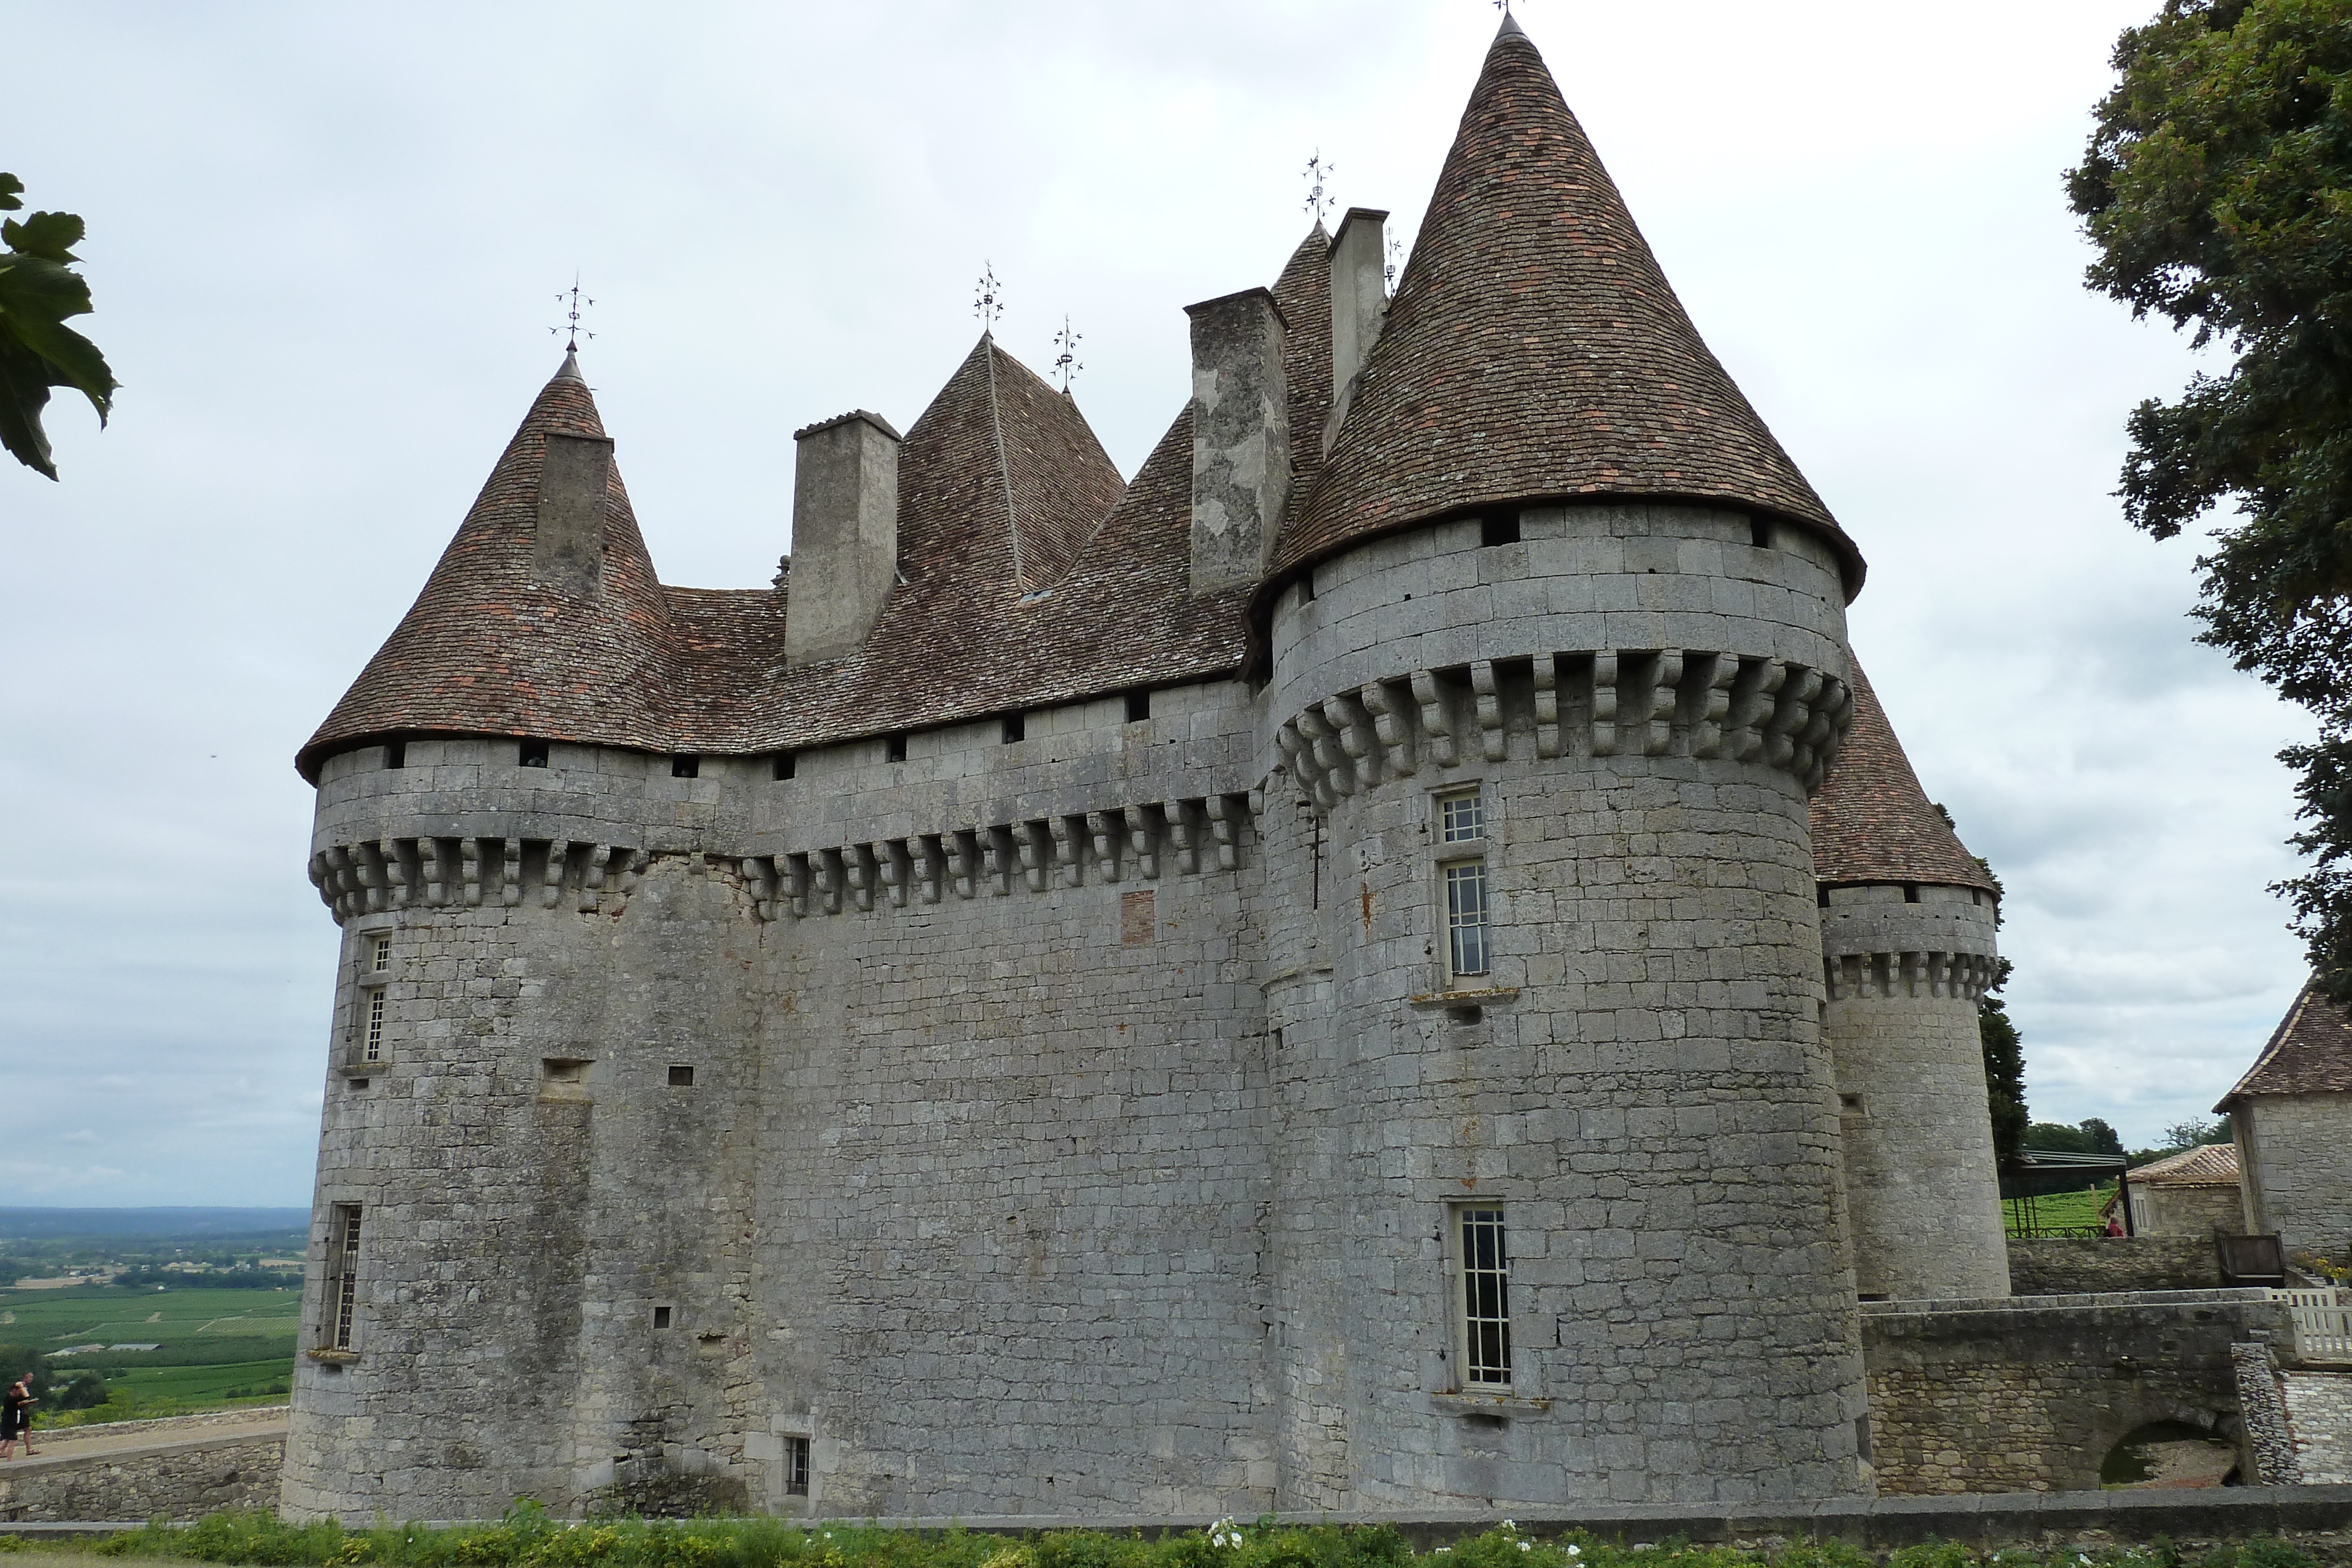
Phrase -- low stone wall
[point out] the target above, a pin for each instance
(169, 1480)
(2030, 1394)
(2090, 1266)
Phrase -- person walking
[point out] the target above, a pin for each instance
(16, 1418)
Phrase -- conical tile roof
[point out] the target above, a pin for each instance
(1535, 351)
(487, 649)
(1872, 822)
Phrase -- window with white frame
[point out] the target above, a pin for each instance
(367, 1017)
(342, 1274)
(371, 1048)
(1483, 1328)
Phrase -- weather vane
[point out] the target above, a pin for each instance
(988, 298)
(1066, 361)
(572, 327)
(1502, 6)
(1315, 174)
(1395, 248)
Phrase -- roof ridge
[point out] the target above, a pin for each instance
(1003, 465)
(2276, 1044)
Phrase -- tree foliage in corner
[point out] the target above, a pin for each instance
(38, 291)
(2004, 1061)
(2218, 190)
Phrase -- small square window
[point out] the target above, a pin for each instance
(681, 1077)
(1494, 532)
(685, 765)
(533, 754)
(1139, 707)
(1462, 818)
(396, 754)
(1759, 532)
(380, 958)
(894, 749)
(796, 1466)
(1016, 727)
(661, 1317)
(787, 763)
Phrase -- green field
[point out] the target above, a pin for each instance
(215, 1348)
(2075, 1211)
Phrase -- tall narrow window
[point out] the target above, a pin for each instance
(1466, 917)
(796, 1466)
(374, 1050)
(1485, 1299)
(342, 1273)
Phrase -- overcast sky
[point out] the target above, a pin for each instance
(325, 243)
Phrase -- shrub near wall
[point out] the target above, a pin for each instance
(528, 1538)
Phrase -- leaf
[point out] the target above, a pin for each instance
(34, 295)
(24, 392)
(11, 188)
(51, 236)
(40, 289)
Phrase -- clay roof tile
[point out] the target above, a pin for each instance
(2310, 1053)
(1872, 822)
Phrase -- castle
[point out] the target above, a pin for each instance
(1392, 962)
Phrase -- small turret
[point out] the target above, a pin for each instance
(1907, 921)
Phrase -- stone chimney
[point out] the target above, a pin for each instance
(1241, 437)
(567, 551)
(845, 535)
(1359, 303)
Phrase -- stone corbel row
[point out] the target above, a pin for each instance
(377, 874)
(1174, 837)
(1961, 976)
(1617, 702)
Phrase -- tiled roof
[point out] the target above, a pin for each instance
(1873, 823)
(487, 649)
(2310, 1053)
(2208, 1164)
(1534, 349)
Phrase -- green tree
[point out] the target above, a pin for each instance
(38, 291)
(2004, 1062)
(2217, 189)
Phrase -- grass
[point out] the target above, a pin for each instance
(209, 1343)
(2070, 1209)
(527, 1537)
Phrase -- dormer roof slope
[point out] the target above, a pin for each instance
(2310, 1053)
(1534, 351)
(1872, 822)
(488, 649)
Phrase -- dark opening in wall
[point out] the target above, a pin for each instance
(786, 763)
(1822, 893)
(1479, 1420)
(1494, 532)
(661, 1317)
(684, 766)
(1307, 586)
(1465, 1015)
(1139, 706)
(681, 1077)
(533, 754)
(796, 1466)
(1850, 1104)
(396, 754)
(1910, 893)
(894, 748)
(1759, 532)
(1016, 725)
(357, 1082)
(564, 1068)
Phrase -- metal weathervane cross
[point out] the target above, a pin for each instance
(1315, 174)
(1067, 361)
(988, 298)
(572, 327)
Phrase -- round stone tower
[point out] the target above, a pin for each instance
(1907, 920)
(1557, 655)
(537, 1103)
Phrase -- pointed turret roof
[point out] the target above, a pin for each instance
(487, 649)
(1535, 351)
(1872, 822)
(2310, 1053)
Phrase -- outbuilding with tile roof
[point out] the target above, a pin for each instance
(2292, 1114)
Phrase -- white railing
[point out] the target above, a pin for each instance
(2322, 1321)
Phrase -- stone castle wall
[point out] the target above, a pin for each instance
(2081, 1265)
(2292, 1150)
(1082, 1118)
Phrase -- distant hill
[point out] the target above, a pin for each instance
(157, 1224)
